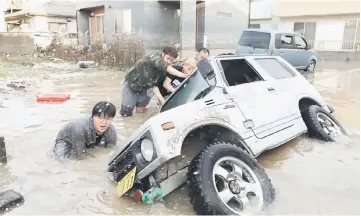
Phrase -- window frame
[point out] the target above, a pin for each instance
(223, 75)
(303, 39)
(278, 44)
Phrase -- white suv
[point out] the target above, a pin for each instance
(209, 131)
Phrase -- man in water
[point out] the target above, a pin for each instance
(87, 132)
(202, 53)
(144, 76)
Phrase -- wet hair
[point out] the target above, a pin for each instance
(191, 63)
(203, 49)
(104, 108)
(170, 51)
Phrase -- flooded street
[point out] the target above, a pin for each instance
(310, 176)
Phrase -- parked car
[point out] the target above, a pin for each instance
(210, 130)
(292, 47)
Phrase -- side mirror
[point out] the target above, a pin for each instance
(309, 46)
(205, 68)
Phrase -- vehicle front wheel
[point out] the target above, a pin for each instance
(225, 180)
(322, 124)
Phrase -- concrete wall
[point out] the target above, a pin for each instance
(161, 23)
(188, 10)
(262, 9)
(16, 43)
(224, 32)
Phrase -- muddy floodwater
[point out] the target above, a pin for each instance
(310, 176)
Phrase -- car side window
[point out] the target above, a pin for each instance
(284, 41)
(300, 42)
(238, 72)
(275, 68)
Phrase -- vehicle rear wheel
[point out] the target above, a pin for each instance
(311, 66)
(322, 124)
(225, 180)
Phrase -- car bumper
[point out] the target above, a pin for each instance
(131, 157)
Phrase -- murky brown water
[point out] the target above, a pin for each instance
(310, 176)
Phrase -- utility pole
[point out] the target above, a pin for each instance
(249, 13)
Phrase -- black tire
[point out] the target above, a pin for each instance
(203, 196)
(309, 64)
(314, 127)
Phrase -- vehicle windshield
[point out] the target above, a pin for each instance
(188, 91)
(255, 39)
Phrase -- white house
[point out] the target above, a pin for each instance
(327, 24)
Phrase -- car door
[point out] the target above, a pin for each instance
(285, 47)
(259, 102)
(303, 56)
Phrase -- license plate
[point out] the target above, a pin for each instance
(126, 182)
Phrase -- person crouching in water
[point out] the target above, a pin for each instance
(87, 132)
(169, 84)
(144, 76)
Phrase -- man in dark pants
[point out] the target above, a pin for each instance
(145, 75)
(87, 132)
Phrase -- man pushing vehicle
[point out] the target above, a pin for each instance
(145, 75)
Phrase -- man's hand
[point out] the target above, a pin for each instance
(160, 101)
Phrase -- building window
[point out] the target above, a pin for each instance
(351, 35)
(123, 22)
(58, 27)
(255, 26)
(306, 29)
(224, 15)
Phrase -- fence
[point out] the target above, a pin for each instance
(335, 45)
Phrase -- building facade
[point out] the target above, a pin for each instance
(41, 16)
(326, 24)
(191, 24)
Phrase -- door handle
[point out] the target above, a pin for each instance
(270, 89)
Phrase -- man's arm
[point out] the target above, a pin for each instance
(171, 70)
(78, 142)
(112, 138)
(162, 66)
(158, 94)
(167, 84)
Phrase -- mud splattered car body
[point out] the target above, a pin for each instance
(229, 111)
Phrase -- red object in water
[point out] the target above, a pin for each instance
(58, 97)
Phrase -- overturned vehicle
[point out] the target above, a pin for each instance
(210, 130)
